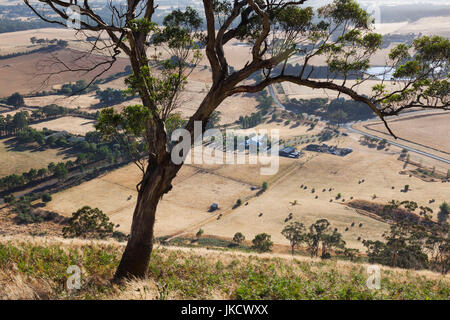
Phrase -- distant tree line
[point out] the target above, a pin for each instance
(87, 150)
(57, 42)
(13, 125)
(9, 25)
(75, 88)
(319, 237)
(59, 171)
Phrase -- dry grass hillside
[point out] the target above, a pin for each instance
(35, 268)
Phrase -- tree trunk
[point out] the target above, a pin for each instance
(156, 182)
(136, 257)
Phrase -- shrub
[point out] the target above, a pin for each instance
(27, 217)
(262, 242)
(264, 186)
(16, 100)
(119, 236)
(46, 197)
(238, 238)
(9, 199)
(199, 233)
(88, 222)
(444, 212)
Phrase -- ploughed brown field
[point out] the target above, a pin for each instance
(31, 73)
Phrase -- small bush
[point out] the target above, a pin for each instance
(199, 233)
(119, 236)
(264, 186)
(9, 199)
(237, 204)
(238, 238)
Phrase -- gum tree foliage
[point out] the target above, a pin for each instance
(16, 100)
(320, 235)
(262, 242)
(277, 30)
(87, 222)
(238, 238)
(295, 232)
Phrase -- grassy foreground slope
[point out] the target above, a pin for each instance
(36, 269)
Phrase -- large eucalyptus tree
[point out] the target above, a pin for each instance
(278, 31)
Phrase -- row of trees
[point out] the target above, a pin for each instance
(46, 49)
(12, 25)
(92, 152)
(48, 112)
(60, 43)
(319, 237)
(89, 150)
(12, 125)
(59, 171)
(29, 135)
(251, 121)
(79, 87)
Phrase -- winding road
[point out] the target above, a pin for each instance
(275, 98)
